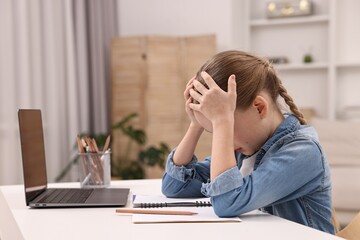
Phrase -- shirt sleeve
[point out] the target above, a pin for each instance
(185, 181)
(225, 182)
(181, 173)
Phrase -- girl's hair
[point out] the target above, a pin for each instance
(253, 74)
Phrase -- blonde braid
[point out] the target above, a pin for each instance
(290, 102)
(282, 91)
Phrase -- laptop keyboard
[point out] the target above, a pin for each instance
(66, 195)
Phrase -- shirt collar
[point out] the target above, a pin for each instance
(290, 124)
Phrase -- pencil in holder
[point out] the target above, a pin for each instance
(94, 169)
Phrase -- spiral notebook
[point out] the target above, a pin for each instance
(202, 206)
(142, 201)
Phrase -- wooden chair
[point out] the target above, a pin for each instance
(352, 230)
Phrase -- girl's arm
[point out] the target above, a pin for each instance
(218, 107)
(222, 151)
(186, 148)
(183, 177)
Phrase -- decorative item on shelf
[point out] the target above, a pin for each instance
(278, 60)
(308, 58)
(293, 8)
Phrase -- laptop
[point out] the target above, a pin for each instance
(37, 193)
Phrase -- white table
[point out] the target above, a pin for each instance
(17, 221)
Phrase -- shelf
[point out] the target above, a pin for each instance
(330, 34)
(301, 66)
(289, 21)
(348, 65)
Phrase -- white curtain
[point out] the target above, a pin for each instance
(46, 63)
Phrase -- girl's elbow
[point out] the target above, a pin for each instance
(170, 187)
(168, 191)
(224, 211)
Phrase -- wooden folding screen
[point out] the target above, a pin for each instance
(149, 74)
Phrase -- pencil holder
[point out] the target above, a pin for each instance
(94, 170)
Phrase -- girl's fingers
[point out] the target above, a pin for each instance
(199, 87)
(190, 81)
(187, 91)
(188, 101)
(232, 84)
(208, 79)
(194, 106)
(189, 85)
(195, 95)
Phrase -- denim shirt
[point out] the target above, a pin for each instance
(291, 179)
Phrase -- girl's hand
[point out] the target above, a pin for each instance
(214, 103)
(188, 101)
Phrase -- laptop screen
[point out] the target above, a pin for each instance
(33, 152)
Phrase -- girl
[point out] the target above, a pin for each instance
(260, 157)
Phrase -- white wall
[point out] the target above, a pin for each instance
(228, 20)
(183, 17)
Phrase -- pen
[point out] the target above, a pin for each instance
(148, 211)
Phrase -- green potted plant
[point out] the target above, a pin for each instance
(126, 168)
